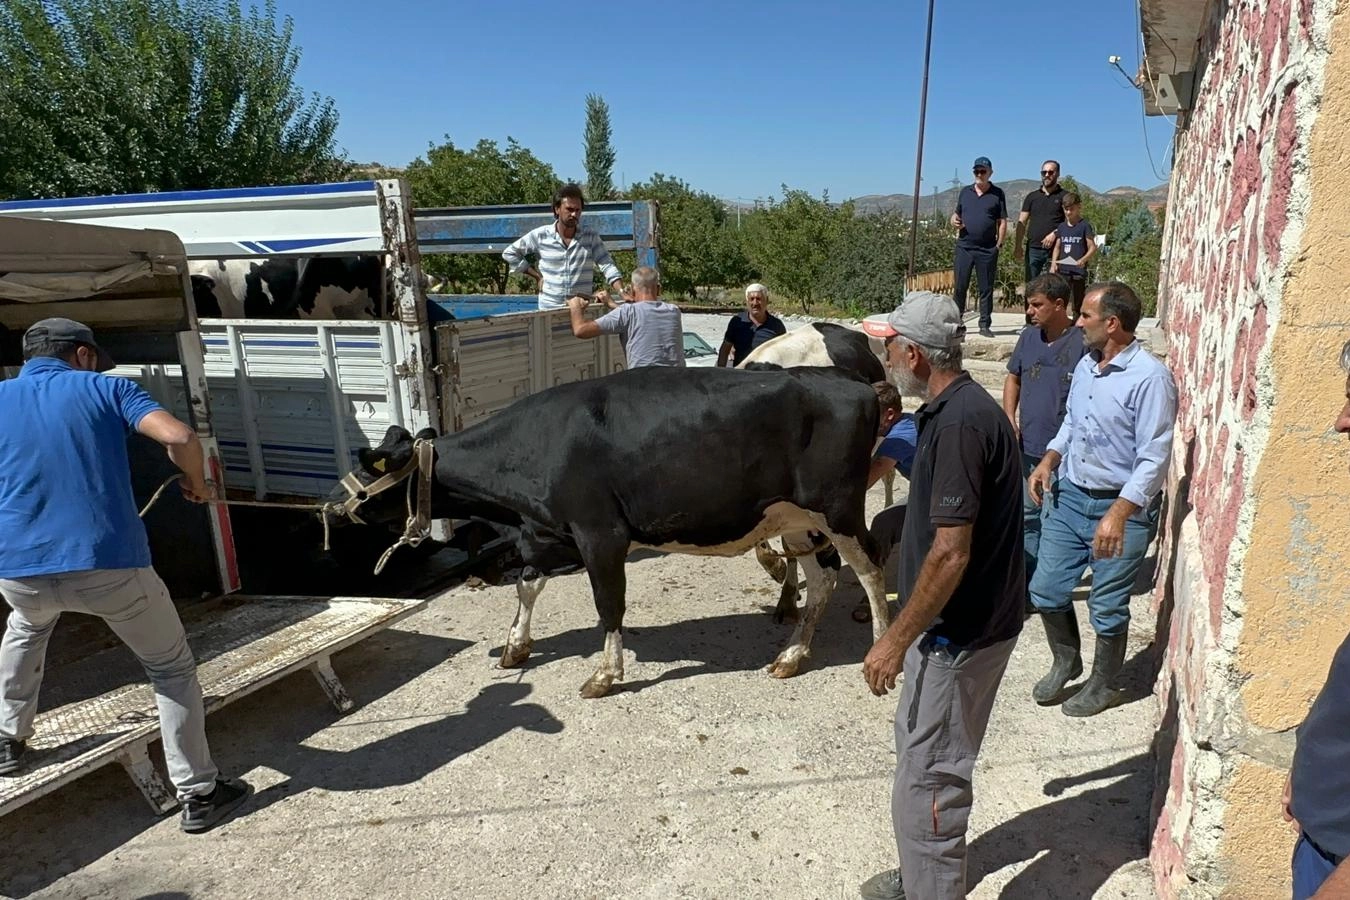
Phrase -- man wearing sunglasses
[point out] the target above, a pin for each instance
(981, 220)
(1042, 212)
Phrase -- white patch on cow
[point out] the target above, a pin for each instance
(228, 276)
(820, 584)
(870, 576)
(611, 668)
(332, 302)
(799, 347)
(518, 640)
(779, 518)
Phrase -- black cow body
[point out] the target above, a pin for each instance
(817, 344)
(587, 472)
(336, 287)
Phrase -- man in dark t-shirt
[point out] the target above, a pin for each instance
(981, 220)
(1315, 796)
(1042, 211)
(749, 329)
(1036, 388)
(960, 611)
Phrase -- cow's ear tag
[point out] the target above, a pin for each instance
(378, 465)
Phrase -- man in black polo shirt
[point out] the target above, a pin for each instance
(1042, 212)
(960, 612)
(749, 329)
(981, 219)
(1315, 796)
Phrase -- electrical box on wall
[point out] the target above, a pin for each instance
(1172, 93)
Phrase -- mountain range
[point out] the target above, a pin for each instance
(1015, 189)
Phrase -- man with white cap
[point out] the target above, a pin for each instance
(73, 542)
(960, 612)
(749, 329)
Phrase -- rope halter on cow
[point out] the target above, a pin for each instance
(416, 528)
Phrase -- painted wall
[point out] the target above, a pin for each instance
(1255, 556)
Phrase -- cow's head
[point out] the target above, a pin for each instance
(384, 500)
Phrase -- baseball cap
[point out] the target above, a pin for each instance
(982, 162)
(58, 329)
(927, 319)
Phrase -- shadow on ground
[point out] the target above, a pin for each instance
(51, 837)
(1087, 836)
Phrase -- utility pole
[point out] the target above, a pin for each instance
(918, 156)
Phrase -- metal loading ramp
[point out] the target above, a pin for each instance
(246, 644)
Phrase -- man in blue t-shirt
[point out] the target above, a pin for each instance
(73, 542)
(1315, 796)
(1036, 388)
(981, 220)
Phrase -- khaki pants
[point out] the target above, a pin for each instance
(136, 605)
(944, 707)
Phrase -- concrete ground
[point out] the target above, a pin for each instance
(702, 777)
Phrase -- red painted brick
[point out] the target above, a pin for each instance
(1276, 218)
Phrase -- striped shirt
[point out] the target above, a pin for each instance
(568, 269)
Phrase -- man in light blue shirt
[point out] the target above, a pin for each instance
(1111, 452)
(568, 254)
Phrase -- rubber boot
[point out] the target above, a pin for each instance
(1097, 693)
(1061, 628)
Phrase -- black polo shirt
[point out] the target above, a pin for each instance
(1046, 213)
(980, 215)
(744, 335)
(1320, 777)
(968, 470)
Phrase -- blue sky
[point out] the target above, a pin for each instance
(739, 96)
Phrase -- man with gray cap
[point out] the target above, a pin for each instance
(73, 541)
(981, 221)
(960, 612)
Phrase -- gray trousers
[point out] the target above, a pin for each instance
(944, 707)
(136, 605)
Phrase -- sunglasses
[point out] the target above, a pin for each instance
(980, 171)
(1045, 172)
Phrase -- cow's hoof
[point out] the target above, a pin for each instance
(514, 656)
(785, 667)
(597, 685)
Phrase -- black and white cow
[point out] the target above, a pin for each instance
(326, 287)
(584, 473)
(817, 344)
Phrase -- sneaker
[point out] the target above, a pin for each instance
(886, 886)
(11, 755)
(204, 813)
(987, 332)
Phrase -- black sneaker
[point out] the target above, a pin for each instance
(987, 332)
(885, 886)
(11, 755)
(204, 813)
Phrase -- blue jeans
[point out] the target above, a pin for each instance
(1068, 526)
(1031, 516)
(983, 261)
(1037, 259)
(1311, 868)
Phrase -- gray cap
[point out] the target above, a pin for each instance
(928, 319)
(65, 330)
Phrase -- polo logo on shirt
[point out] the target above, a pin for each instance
(950, 500)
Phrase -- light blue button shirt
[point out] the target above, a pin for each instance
(1117, 431)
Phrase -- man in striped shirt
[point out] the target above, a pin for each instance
(568, 254)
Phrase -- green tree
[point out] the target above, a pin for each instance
(113, 96)
(866, 270)
(599, 150)
(487, 174)
(790, 243)
(699, 243)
